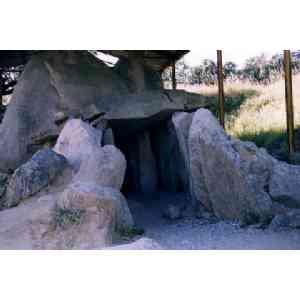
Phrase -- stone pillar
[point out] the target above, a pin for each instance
(136, 72)
(147, 165)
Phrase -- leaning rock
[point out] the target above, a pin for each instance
(140, 244)
(105, 167)
(182, 122)
(229, 177)
(77, 142)
(108, 204)
(284, 184)
(34, 175)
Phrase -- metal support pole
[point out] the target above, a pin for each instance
(289, 101)
(173, 75)
(221, 89)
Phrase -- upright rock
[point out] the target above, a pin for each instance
(229, 177)
(147, 165)
(108, 204)
(105, 167)
(78, 142)
(182, 122)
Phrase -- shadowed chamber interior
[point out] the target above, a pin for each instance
(154, 162)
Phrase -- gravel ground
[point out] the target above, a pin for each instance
(194, 233)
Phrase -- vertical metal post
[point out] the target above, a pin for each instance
(221, 89)
(173, 75)
(289, 101)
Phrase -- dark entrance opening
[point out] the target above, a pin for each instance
(154, 161)
(156, 176)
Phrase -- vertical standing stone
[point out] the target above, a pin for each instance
(147, 165)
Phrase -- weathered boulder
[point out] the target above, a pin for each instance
(290, 219)
(105, 166)
(108, 204)
(229, 177)
(284, 185)
(34, 175)
(172, 212)
(78, 141)
(83, 216)
(140, 244)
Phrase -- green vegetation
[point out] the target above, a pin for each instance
(66, 217)
(131, 232)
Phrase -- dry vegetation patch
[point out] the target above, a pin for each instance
(257, 112)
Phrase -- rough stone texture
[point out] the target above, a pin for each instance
(284, 186)
(83, 216)
(290, 219)
(54, 83)
(57, 85)
(26, 226)
(4, 179)
(108, 204)
(172, 174)
(182, 122)
(140, 244)
(105, 166)
(147, 165)
(108, 137)
(34, 175)
(228, 177)
(78, 141)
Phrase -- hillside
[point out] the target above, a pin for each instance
(257, 112)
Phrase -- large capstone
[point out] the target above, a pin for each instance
(58, 85)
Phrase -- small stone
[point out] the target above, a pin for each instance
(172, 212)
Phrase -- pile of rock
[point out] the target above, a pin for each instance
(68, 197)
(234, 179)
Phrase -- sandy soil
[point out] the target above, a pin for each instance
(194, 233)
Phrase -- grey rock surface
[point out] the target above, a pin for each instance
(172, 212)
(290, 219)
(34, 175)
(147, 165)
(105, 166)
(284, 186)
(55, 85)
(108, 204)
(58, 85)
(229, 177)
(77, 142)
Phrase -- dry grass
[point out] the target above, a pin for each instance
(259, 111)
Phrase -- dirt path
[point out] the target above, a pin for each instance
(193, 233)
